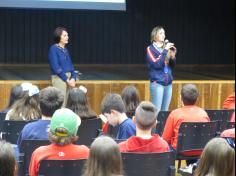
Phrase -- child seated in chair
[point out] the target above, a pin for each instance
(114, 109)
(104, 158)
(217, 159)
(190, 112)
(63, 133)
(145, 141)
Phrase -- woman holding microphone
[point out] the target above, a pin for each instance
(62, 69)
(161, 61)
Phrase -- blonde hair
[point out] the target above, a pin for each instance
(104, 158)
(217, 159)
(154, 32)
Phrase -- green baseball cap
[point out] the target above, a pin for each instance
(67, 119)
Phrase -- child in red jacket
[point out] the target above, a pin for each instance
(144, 141)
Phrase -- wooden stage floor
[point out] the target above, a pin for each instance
(119, 72)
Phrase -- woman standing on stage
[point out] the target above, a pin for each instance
(62, 69)
(161, 61)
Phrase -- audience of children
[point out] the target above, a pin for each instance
(63, 133)
(104, 158)
(145, 141)
(60, 126)
(113, 108)
(50, 100)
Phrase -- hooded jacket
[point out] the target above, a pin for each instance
(137, 144)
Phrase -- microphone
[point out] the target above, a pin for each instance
(166, 41)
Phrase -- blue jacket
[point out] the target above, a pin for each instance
(60, 62)
(158, 71)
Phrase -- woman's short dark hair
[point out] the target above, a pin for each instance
(189, 94)
(57, 34)
(7, 159)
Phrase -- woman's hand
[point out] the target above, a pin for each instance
(169, 45)
(172, 52)
(71, 82)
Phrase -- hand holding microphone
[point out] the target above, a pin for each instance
(171, 50)
(168, 45)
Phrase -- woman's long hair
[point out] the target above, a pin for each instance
(217, 159)
(104, 158)
(131, 99)
(26, 108)
(78, 103)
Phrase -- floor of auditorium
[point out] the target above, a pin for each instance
(119, 72)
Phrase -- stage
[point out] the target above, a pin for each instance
(214, 83)
(119, 72)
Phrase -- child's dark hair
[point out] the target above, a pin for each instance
(130, 96)
(112, 102)
(50, 99)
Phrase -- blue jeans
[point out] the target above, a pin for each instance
(161, 96)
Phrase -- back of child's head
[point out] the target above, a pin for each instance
(104, 159)
(50, 99)
(8, 163)
(130, 96)
(189, 94)
(112, 102)
(77, 101)
(146, 115)
(64, 126)
(27, 107)
(16, 94)
(217, 159)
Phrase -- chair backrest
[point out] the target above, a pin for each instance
(11, 130)
(195, 135)
(2, 119)
(27, 147)
(149, 164)
(161, 121)
(61, 167)
(88, 130)
(222, 116)
(229, 125)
